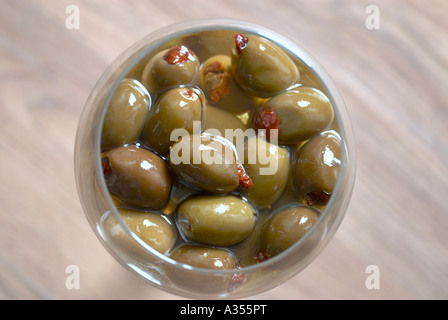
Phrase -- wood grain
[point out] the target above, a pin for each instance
(393, 80)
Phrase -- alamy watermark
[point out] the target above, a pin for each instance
(373, 18)
(73, 279)
(373, 280)
(238, 143)
(72, 22)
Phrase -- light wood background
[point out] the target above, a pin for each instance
(393, 79)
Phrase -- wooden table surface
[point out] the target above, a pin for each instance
(393, 80)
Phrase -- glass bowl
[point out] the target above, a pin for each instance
(156, 268)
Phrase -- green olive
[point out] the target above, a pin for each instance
(206, 161)
(303, 112)
(178, 108)
(262, 68)
(217, 119)
(220, 88)
(223, 123)
(268, 167)
(126, 114)
(209, 43)
(286, 227)
(316, 167)
(171, 68)
(204, 257)
(216, 259)
(152, 228)
(216, 220)
(137, 176)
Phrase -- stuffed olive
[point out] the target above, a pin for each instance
(220, 87)
(177, 108)
(154, 229)
(316, 168)
(268, 167)
(286, 227)
(126, 114)
(204, 257)
(216, 220)
(302, 113)
(261, 67)
(137, 177)
(171, 68)
(206, 161)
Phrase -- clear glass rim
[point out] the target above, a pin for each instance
(176, 30)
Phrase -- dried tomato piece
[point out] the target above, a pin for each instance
(107, 168)
(216, 81)
(245, 180)
(214, 67)
(237, 278)
(177, 54)
(267, 119)
(241, 42)
(261, 256)
(318, 197)
(189, 93)
(109, 173)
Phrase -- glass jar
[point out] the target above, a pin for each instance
(158, 269)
